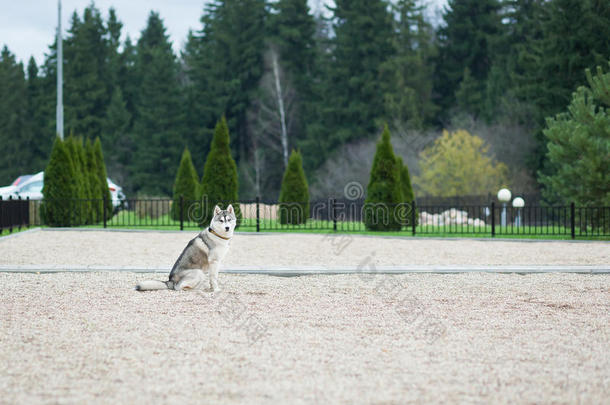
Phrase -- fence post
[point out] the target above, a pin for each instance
(332, 214)
(493, 219)
(413, 224)
(104, 205)
(27, 212)
(1, 217)
(19, 213)
(258, 214)
(573, 220)
(181, 212)
(10, 214)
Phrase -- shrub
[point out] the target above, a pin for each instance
(60, 186)
(294, 194)
(384, 193)
(186, 185)
(459, 164)
(219, 182)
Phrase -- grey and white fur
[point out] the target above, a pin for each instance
(204, 252)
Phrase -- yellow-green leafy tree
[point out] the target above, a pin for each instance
(459, 163)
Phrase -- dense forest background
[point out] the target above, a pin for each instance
(287, 79)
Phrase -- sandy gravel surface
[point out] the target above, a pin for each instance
(425, 338)
(161, 249)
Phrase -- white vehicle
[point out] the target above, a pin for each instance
(6, 192)
(32, 188)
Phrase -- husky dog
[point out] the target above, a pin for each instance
(205, 251)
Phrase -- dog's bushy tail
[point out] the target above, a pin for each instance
(151, 285)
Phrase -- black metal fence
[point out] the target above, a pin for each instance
(340, 215)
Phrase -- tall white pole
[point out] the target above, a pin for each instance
(60, 78)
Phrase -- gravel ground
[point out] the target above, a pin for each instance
(424, 338)
(161, 249)
(467, 338)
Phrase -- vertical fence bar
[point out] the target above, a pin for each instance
(1, 217)
(493, 219)
(258, 214)
(27, 213)
(104, 205)
(19, 213)
(413, 224)
(573, 220)
(332, 214)
(10, 214)
(181, 212)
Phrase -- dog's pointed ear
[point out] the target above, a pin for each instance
(217, 210)
(230, 209)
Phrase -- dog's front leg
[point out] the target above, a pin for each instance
(213, 272)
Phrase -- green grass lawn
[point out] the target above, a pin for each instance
(129, 220)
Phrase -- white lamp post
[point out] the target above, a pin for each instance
(518, 203)
(504, 197)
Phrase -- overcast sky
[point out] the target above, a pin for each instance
(27, 27)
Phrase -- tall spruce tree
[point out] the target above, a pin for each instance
(384, 199)
(186, 186)
(219, 181)
(293, 30)
(224, 64)
(472, 29)
(407, 75)
(38, 142)
(86, 74)
(294, 195)
(13, 119)
(352, 101)
(157, 127)
(118, 144)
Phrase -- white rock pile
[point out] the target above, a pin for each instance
(452, 216)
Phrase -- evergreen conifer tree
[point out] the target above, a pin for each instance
(157, 125)
(354, 105)
(225, 63)
(294, 195)
(472, 28)
(383, 203)
(407, 193)
(579, 146)
(219, 182)
(186, 185)
(103, 192)
(95, 214)
(13, 120)
(118, 145)
(86, 74)
(59, 187)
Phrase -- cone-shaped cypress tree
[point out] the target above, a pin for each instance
(294, 194)
(86, 205)
(186, 185)
(407, 192)
(92, 174)
(59, 186)
(384, 191)
(219, 182)
(103, 191)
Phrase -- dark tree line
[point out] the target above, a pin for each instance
(286, 79)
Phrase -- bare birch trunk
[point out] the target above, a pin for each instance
(280, 102)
